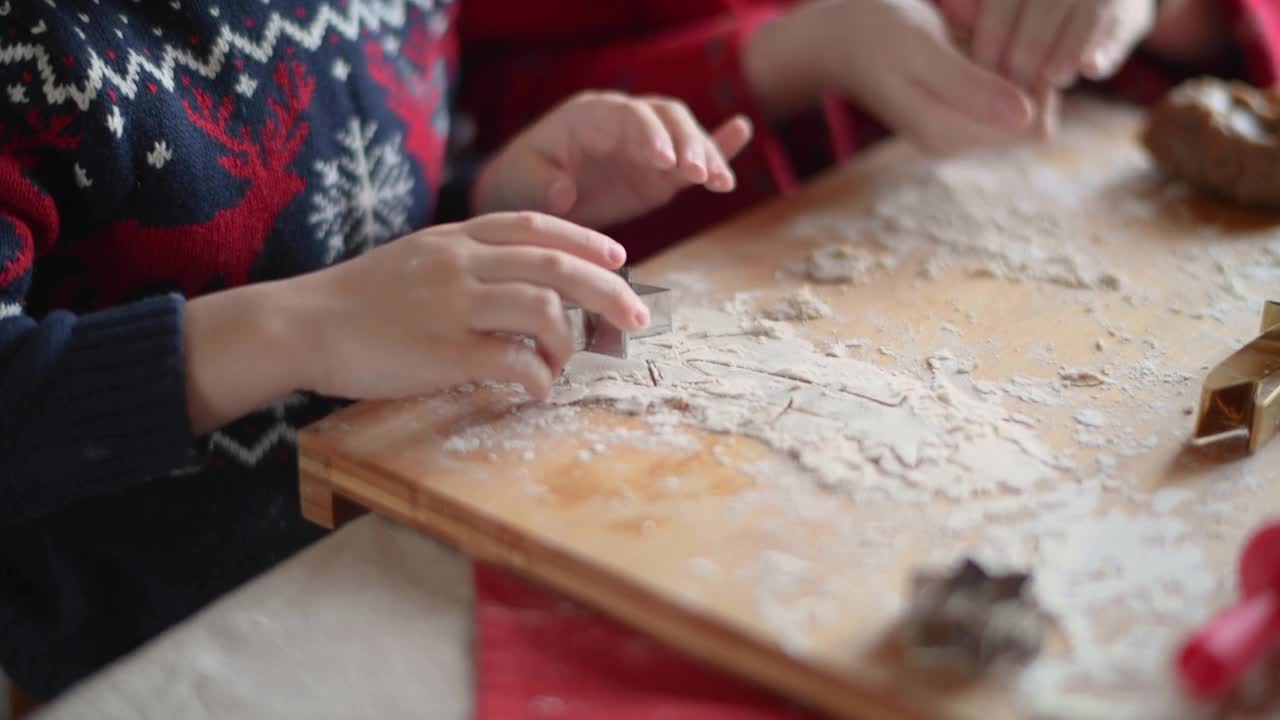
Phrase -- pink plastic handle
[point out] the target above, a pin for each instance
(1213, 659)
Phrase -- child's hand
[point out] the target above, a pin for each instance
(897, 59)
(1049, 43)
(603, 158)
(442, 307)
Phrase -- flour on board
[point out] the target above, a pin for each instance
(1124, 575)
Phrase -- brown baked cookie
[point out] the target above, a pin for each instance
(1222, 137)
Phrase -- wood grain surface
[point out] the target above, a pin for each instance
(631, 560)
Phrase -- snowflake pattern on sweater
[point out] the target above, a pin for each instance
(364, 196)
(130, 130)
(199, 153)
(152, 151)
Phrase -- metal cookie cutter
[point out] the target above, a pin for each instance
(1242, 395)
(971, 621)
(593, 333)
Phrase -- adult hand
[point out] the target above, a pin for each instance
(898, 60)
(1050, 43)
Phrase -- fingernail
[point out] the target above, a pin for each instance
(617, 255)
(641, 316)
(1098, 61)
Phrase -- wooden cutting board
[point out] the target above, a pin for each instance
(631, 560)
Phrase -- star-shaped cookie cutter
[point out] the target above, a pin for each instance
(970, 620)
(1241, 397)
(594, 334)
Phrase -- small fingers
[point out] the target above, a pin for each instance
(729, 139)
(506, 359)
(690, 140)
(1040, 23)
(528, 310)
(607, 120)
(938, 128)
(705, 159)
(662, 133)
(994, 31)
(649, 136)
(975, 91)
(732, 137)
(572, 278)
(1098, 51)
(1069, 53)
(547, 231)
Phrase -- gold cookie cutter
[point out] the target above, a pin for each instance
(1241, 397)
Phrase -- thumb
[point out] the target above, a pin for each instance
(524, 179)
(545, 174)
(561, 193)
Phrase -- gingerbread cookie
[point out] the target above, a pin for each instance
(1222, 137)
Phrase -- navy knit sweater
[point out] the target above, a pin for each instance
(152, 151)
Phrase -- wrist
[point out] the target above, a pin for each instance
(240, 353)
(296, 319)
(780, 68)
